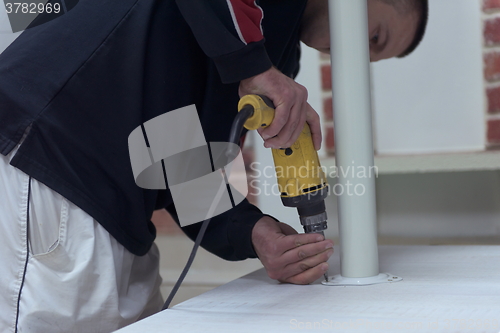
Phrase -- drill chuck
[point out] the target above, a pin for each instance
(315, 223)
(312, 216)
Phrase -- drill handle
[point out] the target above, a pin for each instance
(263, 111)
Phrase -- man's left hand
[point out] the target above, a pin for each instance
(289, 256)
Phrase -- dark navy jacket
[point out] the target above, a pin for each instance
(85, 80)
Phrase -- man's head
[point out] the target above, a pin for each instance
(395, 27)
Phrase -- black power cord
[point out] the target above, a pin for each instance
(197, 243)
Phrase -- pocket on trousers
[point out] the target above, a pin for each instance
(48, 215)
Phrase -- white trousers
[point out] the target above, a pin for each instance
(60, 270)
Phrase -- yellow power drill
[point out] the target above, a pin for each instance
(301, 181)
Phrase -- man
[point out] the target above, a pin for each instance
(77, 242)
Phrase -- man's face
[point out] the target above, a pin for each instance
(390, 31)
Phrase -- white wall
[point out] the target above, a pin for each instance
(433, 100)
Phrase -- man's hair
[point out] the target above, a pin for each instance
(422, 8)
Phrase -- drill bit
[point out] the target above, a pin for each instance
(326, 273)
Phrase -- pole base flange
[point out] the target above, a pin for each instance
(339, 280)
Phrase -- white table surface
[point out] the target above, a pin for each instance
(445, 289)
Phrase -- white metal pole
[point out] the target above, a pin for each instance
(353, 138)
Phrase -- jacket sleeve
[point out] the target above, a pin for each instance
(230, 33)
(228, 235)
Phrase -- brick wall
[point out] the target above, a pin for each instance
(326, 87)
(491, 32)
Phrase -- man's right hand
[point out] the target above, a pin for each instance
(292, 109)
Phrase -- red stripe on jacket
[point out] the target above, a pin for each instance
(247, 19)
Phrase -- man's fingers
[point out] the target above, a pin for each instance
(294, 125)
(307, 263)
(291, 131)
(289, 251)
(281, 117)
(290, 101)
(290, 115)
(303, 257)
(309, 275)
(287, 256)
(299, 126)
(315, 126)
(305, 251)
(283, 244)
(287, 243)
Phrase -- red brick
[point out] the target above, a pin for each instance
(326, 77)
(328, 108)
(491, 5)
(330, 139)
(492, 66)
(492, 31)
(493, 99)
(494, 131)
